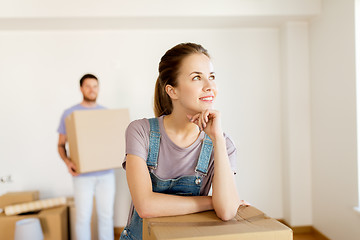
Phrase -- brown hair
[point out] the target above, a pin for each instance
(88, 75)
(168, 70)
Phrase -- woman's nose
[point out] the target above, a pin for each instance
(209, 85)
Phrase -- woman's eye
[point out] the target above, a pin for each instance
(212, 77)
(196, 78)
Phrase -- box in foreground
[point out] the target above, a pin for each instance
(97, 138)
(54, 223)
(249, 224)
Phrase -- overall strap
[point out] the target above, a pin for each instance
(154, 143)
(205, 154)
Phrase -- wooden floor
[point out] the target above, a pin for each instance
(306, 236)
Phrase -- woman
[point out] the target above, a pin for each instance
(173, 160)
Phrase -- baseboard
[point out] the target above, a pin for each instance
(302, 229)
(305, 230)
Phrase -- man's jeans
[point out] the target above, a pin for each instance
(103, 187)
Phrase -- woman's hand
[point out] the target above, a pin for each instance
(209, 122)
(244, 203)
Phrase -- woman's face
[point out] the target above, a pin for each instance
(196, 87)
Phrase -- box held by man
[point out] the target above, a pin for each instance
(97, 138)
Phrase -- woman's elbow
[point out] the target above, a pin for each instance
(144, 214)
(144, 210)
(226, 215)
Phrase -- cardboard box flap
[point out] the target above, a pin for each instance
(249, 213)
(11, 198)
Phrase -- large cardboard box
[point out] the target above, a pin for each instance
(12, 198)
(54, 223)
(249, 224)
(97, 138)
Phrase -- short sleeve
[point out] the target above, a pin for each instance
(231, 150)
(61, 129)
(137, 139)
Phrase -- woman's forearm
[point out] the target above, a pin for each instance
(151, 204)
(224, 195)
(159, 204)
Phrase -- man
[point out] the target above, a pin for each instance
(86, 185)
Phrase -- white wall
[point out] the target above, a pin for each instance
(39, 79)
(156, 8)
(45, 48)
(333, 97)
(296, 124)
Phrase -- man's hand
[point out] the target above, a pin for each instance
(62, 152)
(71, 167)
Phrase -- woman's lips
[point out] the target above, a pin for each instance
(207, 98)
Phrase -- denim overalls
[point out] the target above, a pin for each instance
(184, 186)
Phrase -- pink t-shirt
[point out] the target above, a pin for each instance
(173, 161)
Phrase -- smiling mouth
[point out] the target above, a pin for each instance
(207, 99)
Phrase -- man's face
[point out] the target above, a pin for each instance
(90, 89)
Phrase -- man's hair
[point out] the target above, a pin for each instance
(88, 75)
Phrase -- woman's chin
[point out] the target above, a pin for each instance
(196, 111)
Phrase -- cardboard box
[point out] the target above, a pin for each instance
(97, 138)
(54, 223)
(12, 198)
(249, 224)
(94, 224)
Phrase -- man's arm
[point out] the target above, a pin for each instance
(62, 152)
